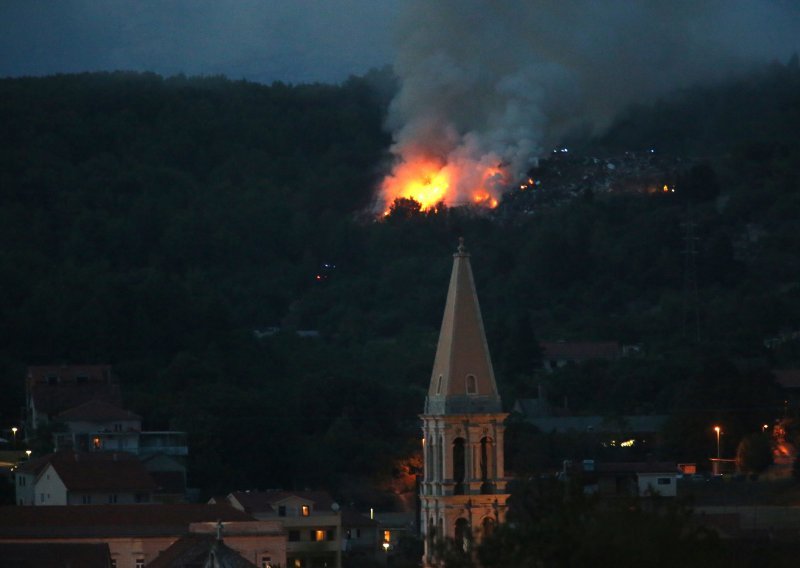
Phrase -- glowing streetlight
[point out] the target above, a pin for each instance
(28, 453)
(764, 427)
(14, 435)
(718, 430)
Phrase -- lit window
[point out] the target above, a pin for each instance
(387, 536)
(318, 535)
(96, 443)
(305, 510)
(266, 562)
(472, 385)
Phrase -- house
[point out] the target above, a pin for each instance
(636, 431)
(360, 535)
(73, 478)
(610, 479)
(311, 519)
(556, 354)
(97, 425)
(394, 526)
(137, 535)
(169, 473)
(51, 389)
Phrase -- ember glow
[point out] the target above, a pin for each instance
(430, 182)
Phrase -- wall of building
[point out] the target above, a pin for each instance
(49, 489)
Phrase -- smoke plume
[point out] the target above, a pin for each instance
(488, 82)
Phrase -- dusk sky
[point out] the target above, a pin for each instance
(259, 40)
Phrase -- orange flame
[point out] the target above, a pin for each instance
(429, 181)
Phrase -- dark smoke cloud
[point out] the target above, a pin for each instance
(260, 40)
(503, 80)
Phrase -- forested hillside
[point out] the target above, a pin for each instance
(184, 229)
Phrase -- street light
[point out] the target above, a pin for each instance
(14, 435)
(718, 430)
(28, 453)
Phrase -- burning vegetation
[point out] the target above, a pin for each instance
(430, 181)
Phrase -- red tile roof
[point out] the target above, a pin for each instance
(67, 393)
(196, 550)
(265, 501)
(95, 471)
(580, 350)
(110, 520)
(96, 411)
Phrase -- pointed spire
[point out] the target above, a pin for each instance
(462, 381)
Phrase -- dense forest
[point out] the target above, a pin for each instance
(185, 229)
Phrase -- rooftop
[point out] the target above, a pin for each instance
(267, 501)
(97, 411)
(111, 520)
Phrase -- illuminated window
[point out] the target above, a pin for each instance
(305, 510)
(472, 385)
(96, 443)
(318, 535)
(266, 562)
(387, 536)
(298, 563)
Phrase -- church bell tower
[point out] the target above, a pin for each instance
(463, 491)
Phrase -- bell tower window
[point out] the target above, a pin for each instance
(472, 385)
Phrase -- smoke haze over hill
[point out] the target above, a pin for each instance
(502, 81)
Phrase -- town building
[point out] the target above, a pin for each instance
(51, 389)
(136, 536)
(74, 478)
(463, 491)
(311, 519)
